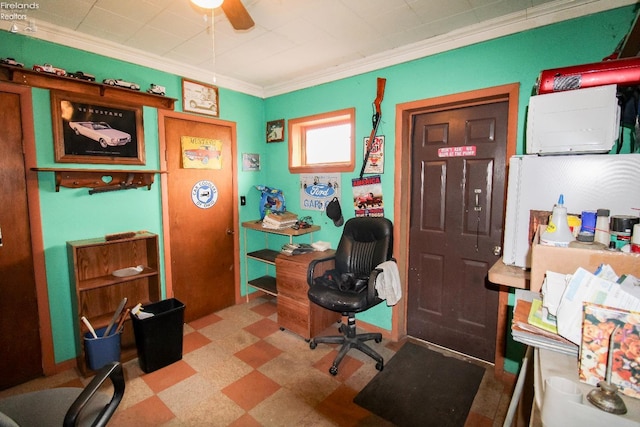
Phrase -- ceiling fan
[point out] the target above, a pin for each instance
(234, 10)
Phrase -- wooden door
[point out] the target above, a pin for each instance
(201, 216)
(19, 318)
(458, 181)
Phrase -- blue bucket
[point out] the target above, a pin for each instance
(102, 350)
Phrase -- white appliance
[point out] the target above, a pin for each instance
(587, 181)
(573, 121)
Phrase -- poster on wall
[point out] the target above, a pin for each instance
(94, 131)
(201, 153)
(375, 161)
(316, 191)
(367, 196)
(250, 162)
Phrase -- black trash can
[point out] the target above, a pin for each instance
(159, 338)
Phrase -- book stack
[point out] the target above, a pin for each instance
(532, 326)
(296, 248)
(279, 221)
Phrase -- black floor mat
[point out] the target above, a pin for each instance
(421, 387)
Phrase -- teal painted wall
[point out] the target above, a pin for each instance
(517, 58)
(73, 214)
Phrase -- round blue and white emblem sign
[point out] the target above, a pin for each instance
(204, 194)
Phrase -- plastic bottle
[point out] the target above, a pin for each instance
(620, 228)
(558, 232)
(602, 227)
(635, 239)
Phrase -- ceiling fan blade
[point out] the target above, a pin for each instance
(237, 14)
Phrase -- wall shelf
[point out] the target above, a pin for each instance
(32, 78)
(267, 283)
(101, 180)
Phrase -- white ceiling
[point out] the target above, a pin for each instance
(295, 43)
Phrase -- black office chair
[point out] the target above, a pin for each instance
(349, 287)
(66, 406)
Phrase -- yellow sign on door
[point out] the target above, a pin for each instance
(201, 153)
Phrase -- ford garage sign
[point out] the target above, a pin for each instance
(317, 191)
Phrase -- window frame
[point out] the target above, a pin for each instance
(296, 131)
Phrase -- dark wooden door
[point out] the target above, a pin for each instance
(458, 181)
(19, 321)
(201, 219)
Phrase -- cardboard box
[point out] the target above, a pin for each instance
(567, 261)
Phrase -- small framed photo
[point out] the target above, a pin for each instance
(200, 98)
(250, 162)
(89, 130)
(275, 131)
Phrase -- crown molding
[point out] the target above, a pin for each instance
(66, 37)
(549, 13)
(546, 14)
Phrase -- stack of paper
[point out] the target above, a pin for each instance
(604, 287)
(279, 221)
(527, 333)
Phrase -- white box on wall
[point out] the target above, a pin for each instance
(573, 121)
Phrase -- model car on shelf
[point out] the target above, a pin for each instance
(156, 89)
(82, 76)
(48, 68)
(11, 61)
(121, 83)
(101, 132)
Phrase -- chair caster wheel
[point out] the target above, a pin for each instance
(312, 344)
(378, 340)
(281, 328)
(379, 366)
(333, 370)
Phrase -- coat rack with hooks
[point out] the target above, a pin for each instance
(101, 180)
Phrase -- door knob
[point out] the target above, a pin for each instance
(497, 250)
(229, 231)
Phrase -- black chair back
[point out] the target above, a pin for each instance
(366, 242)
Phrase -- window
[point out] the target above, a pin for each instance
(323, 142)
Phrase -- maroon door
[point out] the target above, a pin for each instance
(458, 181)
(19, 321)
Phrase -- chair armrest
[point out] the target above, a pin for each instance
(112, 371)
(371, 289)
(311, 271)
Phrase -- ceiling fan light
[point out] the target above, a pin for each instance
(207, 4)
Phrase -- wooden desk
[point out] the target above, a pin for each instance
(508, 275)
(295, 312)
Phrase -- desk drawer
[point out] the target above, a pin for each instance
(291, 275)
(292, 287)
(293, 316)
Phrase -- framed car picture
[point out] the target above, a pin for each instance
(87, 130)
(200, 98)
